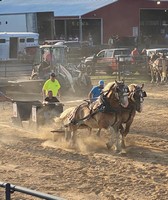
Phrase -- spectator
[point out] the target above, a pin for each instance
(135, 52)
(90, 39)
(135, 55)
(110, 42)
(143, 52)
(117, 41)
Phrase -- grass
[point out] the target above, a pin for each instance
(137, 78)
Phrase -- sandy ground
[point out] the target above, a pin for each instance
(42, 160)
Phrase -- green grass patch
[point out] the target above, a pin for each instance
(137, 78)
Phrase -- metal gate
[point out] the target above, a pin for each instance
(9, 189)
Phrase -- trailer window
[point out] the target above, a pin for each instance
(2, 40)
(22, 40)
(30, 39)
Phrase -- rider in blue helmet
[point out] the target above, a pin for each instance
(96, 91)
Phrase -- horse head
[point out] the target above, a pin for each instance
(117, 92)
(137, 95)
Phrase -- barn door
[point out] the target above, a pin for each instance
(13, 47)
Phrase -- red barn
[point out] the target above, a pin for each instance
(95, 20)
(125, 18)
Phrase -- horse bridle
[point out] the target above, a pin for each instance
(137, 95)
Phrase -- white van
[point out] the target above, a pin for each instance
(14, 43)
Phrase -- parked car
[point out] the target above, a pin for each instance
(108, 60)
(164, 51)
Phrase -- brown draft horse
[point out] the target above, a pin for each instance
(101, 114)
(136, 99)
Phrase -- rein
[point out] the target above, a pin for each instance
(103, 107)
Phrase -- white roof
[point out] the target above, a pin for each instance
(18, 33)
(59, 7)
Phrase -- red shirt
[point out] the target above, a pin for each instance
(135, 52)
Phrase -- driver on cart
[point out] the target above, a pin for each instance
(52, 106)
(52, 101)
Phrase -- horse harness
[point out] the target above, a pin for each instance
(103, 107)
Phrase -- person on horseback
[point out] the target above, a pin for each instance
(96, 91)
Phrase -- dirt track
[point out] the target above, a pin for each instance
(90, 172)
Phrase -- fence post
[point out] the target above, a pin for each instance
(8, 191)
(5, 68)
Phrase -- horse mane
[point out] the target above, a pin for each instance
(108, 86)
(111, 85)
(66, 112)
(132, 87)
(108, 89)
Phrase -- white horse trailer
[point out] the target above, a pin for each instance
(14, 43)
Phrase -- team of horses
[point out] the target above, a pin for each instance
(114, 111)
(158, 66)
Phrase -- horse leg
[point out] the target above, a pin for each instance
(115, 138)
(70, 134)
(152, 76)
(111, 142)
(122, 131)
(118, 140)
(67, 134)
(152, 72)
(73, 136)
(125, 131)
(98, 132)
(90, 131)
(157, 77)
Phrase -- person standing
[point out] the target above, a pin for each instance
(96, 91)
(111, 42)
(135, 52)
(135, 55)
(90, 39)
(51, 84)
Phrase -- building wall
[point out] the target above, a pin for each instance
(13, 23)
(120, 17)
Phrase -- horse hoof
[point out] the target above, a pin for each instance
(108, 146)
(123, 152)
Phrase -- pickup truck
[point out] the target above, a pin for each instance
(108, 60)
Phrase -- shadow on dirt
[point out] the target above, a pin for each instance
(147, 155)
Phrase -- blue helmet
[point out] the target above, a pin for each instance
(101, 82)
